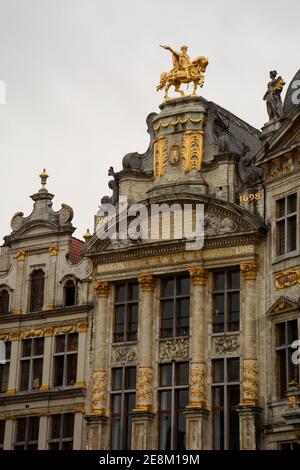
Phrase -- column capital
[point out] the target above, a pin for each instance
(249, 270)
(147, 282)
(199, 276)
(101, 288)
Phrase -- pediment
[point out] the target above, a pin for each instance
(221, 220)
(34, 229)
(283, 304)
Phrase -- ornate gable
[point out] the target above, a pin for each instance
(283, 304)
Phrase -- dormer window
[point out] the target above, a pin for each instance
(70, 293)
(4, 301)
(37, 290)
(286, 225)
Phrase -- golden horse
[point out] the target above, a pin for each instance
(194, 73)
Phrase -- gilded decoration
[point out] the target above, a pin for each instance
(226, 344)
(160, 156)
(287, 279)
(147, 282)
(292, 401)
(101, 288)
(198, 386)
(174, 122)
(199, 276)
(124, 354)
(53, 250)
(177, 349)
(144, 388)
(99, 390)
(79, 327)
(192, 150)
(250, 270)
(249, 383)
(21, 255)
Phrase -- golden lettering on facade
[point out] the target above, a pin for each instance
(199, 276)
(249, 270)
(101, 288)
(160, 156)
(287, 279)
(250, 197)
(192, 150)
(147, 282)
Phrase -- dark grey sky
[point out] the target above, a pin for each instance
(80, 79)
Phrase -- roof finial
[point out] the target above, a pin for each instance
(44, 176)
(87, 236)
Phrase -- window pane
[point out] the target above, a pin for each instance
(233, 279)
(183, 286)
(183, 307)
(71, 369)
(119, 323)
(280, 334)
(281, 208)
(55, 426)
(219, 281)
(182, 399)
(72, 342)
(24, 381)
(68, 425)
(26, 347)
(120, 292)
(60, 343)
(67, 445)
(218, 417)
(168, 288)
(233, 369)
(292, 203)
(233, 311)
(292, 331)
(218, 370)
(58, 371)
(4, 374)
(33, 429)
(70, 293)
(165, 401)
(291, 233)
(116, 433)
(132, 322)
(233, 401)
(130, 402)
(167, 315)
(21, 430)
(117, 376)
(38, 346)
(130, 378)
(293, 369)
(37, 373)
(182, 373)
(181, 432)
(133, 291)
(116, 404)
(4, 302)
(2, 429)
(282, 373)
(219, 300)
(165, 375)
(280, 237)
(165, 432)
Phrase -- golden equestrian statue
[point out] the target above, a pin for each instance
(184, 71)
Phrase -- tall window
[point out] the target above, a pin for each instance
(226, 398)
(65, 360)
(69, 293)
(126, 312)
(173, 398)
(37, 290)
(27, 433)
(4, 301)
(226, 300)
(62, 431)
(122, 405)
(4, 368)
(175, 307)
(2, 432)
(32, 363)
(286, 333)
(286, 224)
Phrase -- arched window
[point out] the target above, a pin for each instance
(4, 301)
(37, 290)
(70, 293)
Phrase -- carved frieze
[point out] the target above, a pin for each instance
(177, 349)
(124, 354)
(226, 344)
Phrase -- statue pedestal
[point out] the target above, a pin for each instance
(269, 128)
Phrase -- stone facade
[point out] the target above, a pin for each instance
(248, 182)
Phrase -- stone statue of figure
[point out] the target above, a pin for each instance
(114, 186)
(273, 96)
(249, 174)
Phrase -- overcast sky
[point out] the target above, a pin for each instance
(80, 80)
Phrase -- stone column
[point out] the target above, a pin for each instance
(49, 302)
(97, 420)
(196, 412)
(80, 380)
(13, 366)
(8, 435)
(18, 297)
(142, 422)
(77, 431)
(248, 409)
(43, 437)
(46, 379)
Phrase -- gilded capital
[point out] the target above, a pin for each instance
(21, 255)
(101, 288)
(53, 250)
(199, 276)
(250, 270)
(147, 282)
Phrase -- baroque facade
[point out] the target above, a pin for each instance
(156, 342)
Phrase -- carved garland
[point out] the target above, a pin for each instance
(160, 156)
(192, 150)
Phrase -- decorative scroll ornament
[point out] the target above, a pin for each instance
(249, 385)
(177, 349)
(199, 276)
(144, 388)
(192, 150)
(160, 156)
(287, 279)
(101, 288)
(198, 386)
(250, 270)
(226, 344)
(99, 392)
(124, 354)
(147, 282)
